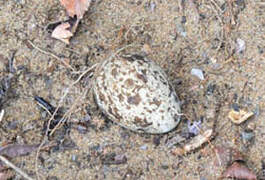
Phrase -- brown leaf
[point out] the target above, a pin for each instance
(17, 150)
(76, 7)
(5, 175)
(62, 32)
(226, 155)
(239, 171)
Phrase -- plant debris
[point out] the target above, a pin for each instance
(226, 155)
(76, 7)
(239, 171)
(195, 143)
(15, 150)
(113, 158)
(62, 32)
(239, 116)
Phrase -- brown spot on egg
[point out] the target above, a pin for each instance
(145, 123)
(129, 83)
(116, 115)
(137, 120)
(121, 98)
(156, 102)
(132, 71)
(114, 72)
(134, 99)
(102, 97)
(144, 71)
(110, 100)
(141, 77)
(142, 122)
(137, 88)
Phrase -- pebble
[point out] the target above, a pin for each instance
(198, 73)
(247, 136)
(240, 45)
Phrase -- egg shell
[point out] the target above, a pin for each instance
(134, 92)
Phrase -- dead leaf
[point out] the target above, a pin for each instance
(226, 155)
(5, 175)
(62, 33)
(239, 171)
(76, 7)
(15, 150)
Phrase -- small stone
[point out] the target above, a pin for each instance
(240, 45)
(247, 136)
(120, 159)
(143, 147)
(194, 127)
(198, 73)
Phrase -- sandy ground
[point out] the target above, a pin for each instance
(178, 36)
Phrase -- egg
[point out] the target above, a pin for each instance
(134, 92)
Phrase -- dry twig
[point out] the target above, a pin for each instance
(18, 170)
(51, 54)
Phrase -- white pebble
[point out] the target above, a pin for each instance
(198, 73)
(240, 45)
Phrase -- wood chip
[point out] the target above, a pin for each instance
(195, 143)
(240, 116)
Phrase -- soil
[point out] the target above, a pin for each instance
(224, 39)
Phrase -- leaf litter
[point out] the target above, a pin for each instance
(75, 8)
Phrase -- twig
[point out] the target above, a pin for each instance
(18, 170)
(68, 113)
(84, 73)
(51, 54)
(217, 6)
(46, 133)
(230, 7)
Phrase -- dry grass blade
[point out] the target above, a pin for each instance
(51, 54)
(8, 163)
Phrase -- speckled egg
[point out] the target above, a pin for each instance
(134, 92)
